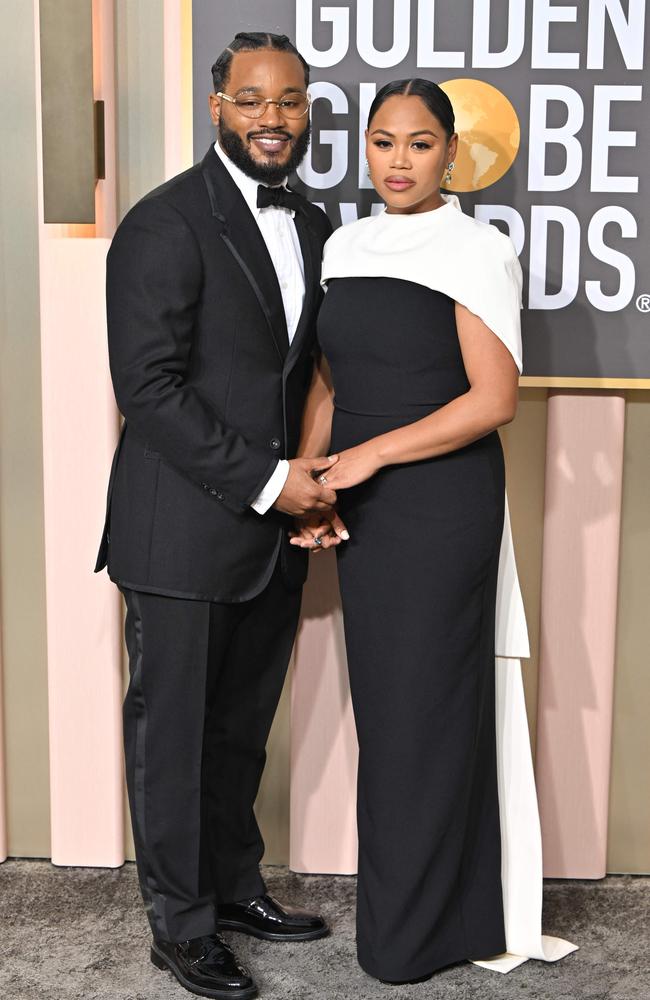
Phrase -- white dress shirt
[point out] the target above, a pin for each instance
(279, 233)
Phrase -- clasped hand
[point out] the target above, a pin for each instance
(324, 528)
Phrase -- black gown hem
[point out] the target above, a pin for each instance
(481, 952)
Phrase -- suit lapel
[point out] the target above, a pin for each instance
(240, 233)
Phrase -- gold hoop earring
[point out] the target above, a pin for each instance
(450, 167)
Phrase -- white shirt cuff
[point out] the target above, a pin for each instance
(270, 493)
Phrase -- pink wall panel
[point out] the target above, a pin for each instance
(83, 611)
(172, 61)
(578, 627)
(323, 739)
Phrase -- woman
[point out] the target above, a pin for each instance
(422, 352)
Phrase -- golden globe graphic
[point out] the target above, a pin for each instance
(488, 134)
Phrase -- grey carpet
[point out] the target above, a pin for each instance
(81, 934)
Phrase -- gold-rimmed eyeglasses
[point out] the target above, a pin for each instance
(290, 106)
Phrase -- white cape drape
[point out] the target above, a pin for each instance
(521, 836)
(476, 265)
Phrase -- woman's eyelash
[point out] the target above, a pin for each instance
(385, 144)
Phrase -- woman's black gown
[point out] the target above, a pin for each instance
(418, 584)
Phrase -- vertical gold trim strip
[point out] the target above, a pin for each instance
(569, 382)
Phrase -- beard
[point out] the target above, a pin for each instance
(265, 173)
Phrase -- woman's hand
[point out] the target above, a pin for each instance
(319, 532)
(354, 466)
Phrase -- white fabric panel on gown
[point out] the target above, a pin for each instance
(477, 266)
(521, 835)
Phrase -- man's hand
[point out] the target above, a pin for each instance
(302, 494)
(320, 531)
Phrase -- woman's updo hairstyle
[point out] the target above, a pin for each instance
(433, 96)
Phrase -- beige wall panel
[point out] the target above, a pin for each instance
(22, 556)
(524, 444)
(140, 100)
(629, 802)
(66, 39)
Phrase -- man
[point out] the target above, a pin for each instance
(212, 293)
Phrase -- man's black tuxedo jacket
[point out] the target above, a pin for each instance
(211, 391)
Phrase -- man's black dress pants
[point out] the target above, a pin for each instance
(205, 683)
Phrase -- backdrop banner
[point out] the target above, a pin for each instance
(553, 127)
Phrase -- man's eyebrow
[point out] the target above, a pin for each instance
(259, 90)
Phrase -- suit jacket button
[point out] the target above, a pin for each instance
(213, 493)
(219, 495)
(275, 443)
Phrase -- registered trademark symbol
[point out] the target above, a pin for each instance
(643, 302)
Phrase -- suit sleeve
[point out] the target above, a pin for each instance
(154, 280)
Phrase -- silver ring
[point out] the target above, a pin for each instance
(322, 480)
(317, 540)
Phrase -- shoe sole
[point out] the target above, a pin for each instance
(162, 962)
(242, 928)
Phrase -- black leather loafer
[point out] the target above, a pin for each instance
(265, 918)
(205, 966)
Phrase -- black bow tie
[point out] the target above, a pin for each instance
(278, 197)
